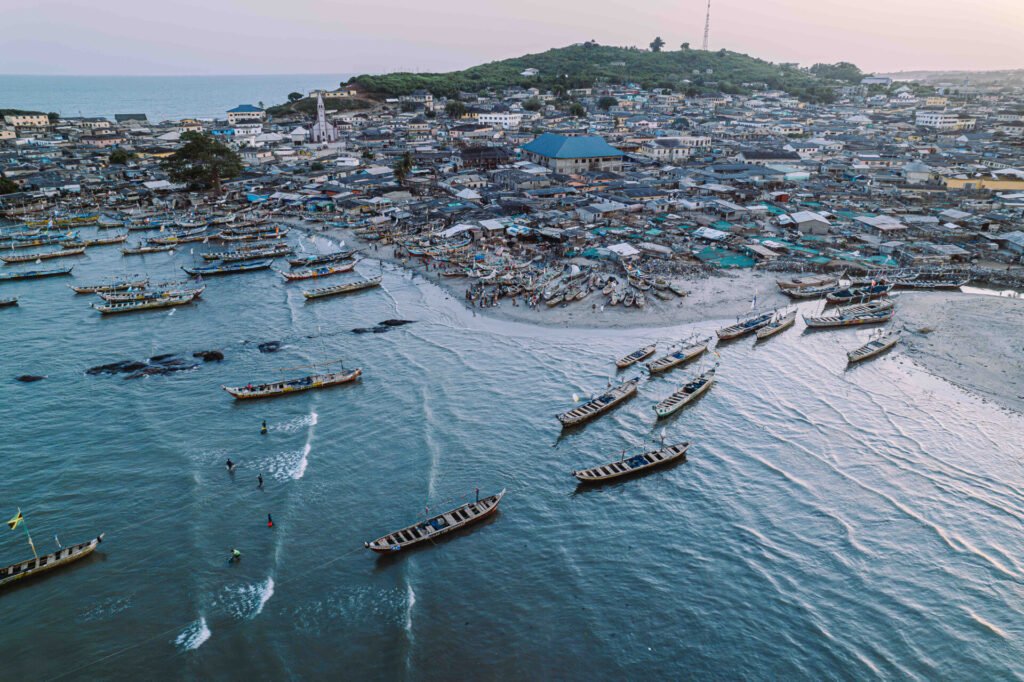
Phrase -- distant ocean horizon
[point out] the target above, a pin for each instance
(159, 97)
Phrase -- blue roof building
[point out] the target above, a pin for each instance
(245, 113)
(568, 154)
(245, 109)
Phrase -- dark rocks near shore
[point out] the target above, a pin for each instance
(116, 367)
(209, 355)
(29, 378)
(269, 346)
(158, 365)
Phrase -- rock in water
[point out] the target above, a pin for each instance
(362, 330)
(161, 358)
(269, 346)
(115, 367)
(209, 355)
(396, 323)
(29, 378)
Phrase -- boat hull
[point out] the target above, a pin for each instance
(65, 556)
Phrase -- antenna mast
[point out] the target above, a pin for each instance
(707, 26)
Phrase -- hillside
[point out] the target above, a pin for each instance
(584, 64)
(307, 106)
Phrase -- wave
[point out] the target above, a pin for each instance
(245, 602)
(296, 424)
(193, 636)
(987, 625)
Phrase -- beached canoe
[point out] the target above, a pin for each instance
(866, 293)
(875, 346)
(600, 404)
(686, 394)
(849, 319)
(320, 258)
(143, 249)
(744, 327)
(436, 526)
(636, 356)
(633, 465)
(346, 288)
(779, 324)
(805, 281)
(58, 559)
(287, 387)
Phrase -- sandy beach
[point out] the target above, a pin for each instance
(972, 340)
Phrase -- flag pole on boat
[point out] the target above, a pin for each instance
(19, 520)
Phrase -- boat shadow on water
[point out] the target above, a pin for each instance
(385, 561)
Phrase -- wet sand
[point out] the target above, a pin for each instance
(971, 340)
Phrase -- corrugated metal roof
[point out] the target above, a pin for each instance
(554, 146)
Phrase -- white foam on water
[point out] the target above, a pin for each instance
(293, 425)
(265, 594)
(193, 636)
(300, 469)
(411, 602)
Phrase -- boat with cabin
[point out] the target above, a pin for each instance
(633, 465)
(131, 306)
(436, 526)
(114, 285)
(8, 302)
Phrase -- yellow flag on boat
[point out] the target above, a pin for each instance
(18, 518)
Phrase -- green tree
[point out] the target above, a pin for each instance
(840, 71)
(684, 47)
(203, 162)
(607, 102)
(408, 107)
(119, 157)
(403, 167)
(657, 44)
(532, 104)
(576, 109)
(316, 166)
(455, 109)
(294, 96)
(8, 186)
(368, 154)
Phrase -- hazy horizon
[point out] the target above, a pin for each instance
(256, 37)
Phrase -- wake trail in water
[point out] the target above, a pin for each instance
(245, 602)
(193, 636)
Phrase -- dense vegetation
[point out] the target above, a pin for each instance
(202, 162)
(583, 65)
(307, 105)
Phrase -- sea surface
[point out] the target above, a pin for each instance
(830, 523)
(159, 97)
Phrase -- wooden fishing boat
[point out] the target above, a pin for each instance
(851, 294)
(149, 295)
(110, 308)
(103, 241)
(238, 256)
(58, 559)
(16, 243)
(684, 353)
(633, 465)
(144, 249)
(253, 236)
(744, 327)
(320, 258)
(636, 356)
(346, 288)
(875, 346)
(840, 319)
(116, 285)
(600, 404)
(322, 271)
(805, 281)
(289, 386)
(919, 282)
(686, 394)
(188, 237)
(8, 302)
(43, 255)
(554, 300)
(227, 268)
(677, 289)
(778, 324)
(35, 274)
(436, 526)
(812, 292)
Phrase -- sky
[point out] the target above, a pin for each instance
(201, 37)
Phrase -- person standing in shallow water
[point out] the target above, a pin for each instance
(270, 521)
(259, 481)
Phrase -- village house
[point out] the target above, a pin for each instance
(246, 113)
(573, 154)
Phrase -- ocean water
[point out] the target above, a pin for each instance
(159, 97)
(828, 524)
